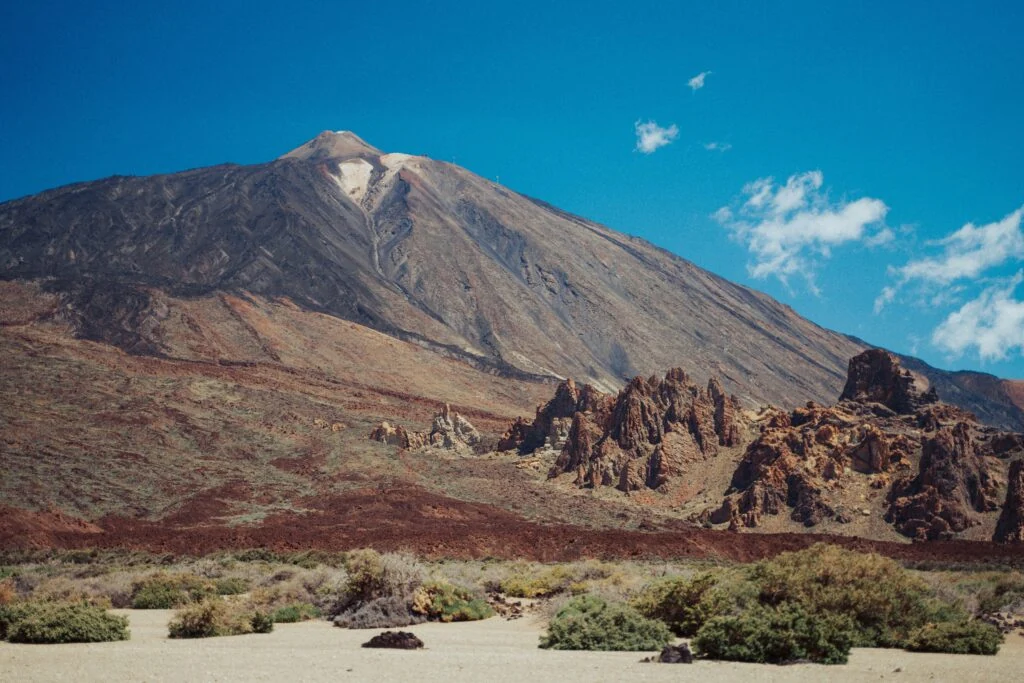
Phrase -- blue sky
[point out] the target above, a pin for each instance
(850, 142)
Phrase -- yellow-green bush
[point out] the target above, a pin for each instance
(60, 622)
(682, 604)
(167, 591)
(215, 616)
(884, 601)
(962, 638)
(441, 601)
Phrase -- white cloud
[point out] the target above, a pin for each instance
(970, 251)
(650, 136)
(886, 297)
(993, 323)
(697, 82)
(789, 228)
(717, 146)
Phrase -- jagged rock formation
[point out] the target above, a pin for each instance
(875, 376)
(449, 430)
(642, 438)
(1010, 527)
(941, 467)
(550, 426)
(953, 480)
(452, 431)
(397, 436)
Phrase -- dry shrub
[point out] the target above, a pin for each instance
(215, 616)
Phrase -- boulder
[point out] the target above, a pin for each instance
(399, 640)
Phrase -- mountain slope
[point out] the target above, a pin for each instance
(419, 249)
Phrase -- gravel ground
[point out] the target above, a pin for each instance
(492, 650)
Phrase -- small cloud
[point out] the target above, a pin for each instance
(697, 82)
(789, 229)
(993, 323)
(880, 238)
(651, 137)
(717, 146)
(886, 297)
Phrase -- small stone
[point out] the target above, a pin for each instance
(400, 640)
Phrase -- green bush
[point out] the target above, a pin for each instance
(214, 617)
(55, 622)
(289, 614)
(234, 585)
(963, 638)
(682, 604)
(885, 601)
(775, 635)
(588, 622)
(441, 601)
(168, 591)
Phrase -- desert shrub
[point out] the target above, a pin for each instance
(234, 585)
(387, 612)
(775, 635)
(1005, 594)
(300, 611)
(530, 582)
(682, 604)
(214, 617)
(962, 638)
(590, 623)
(57, 622)
(323, 587)
(884, 601)
(167, 591)
(441, 601)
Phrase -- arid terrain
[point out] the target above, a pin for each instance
(493, 650)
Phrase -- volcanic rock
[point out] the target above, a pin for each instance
(676, 654)
(875, 376)
(449, 430)
(400, 640)
(952, 484)
(551, 425)
(642, 438)
(1010, 527)
(397, 436)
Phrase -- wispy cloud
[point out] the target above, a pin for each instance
(717, 146)
(650, 136)
(697, 82)
(789, 229)
(970, 251)
(993, 323)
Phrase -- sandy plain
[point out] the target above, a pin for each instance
(492, 650)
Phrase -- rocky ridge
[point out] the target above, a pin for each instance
(941, 468)
(642, 438)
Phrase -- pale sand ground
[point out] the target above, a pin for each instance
(493, 650)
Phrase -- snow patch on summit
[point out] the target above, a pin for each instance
(354, 178)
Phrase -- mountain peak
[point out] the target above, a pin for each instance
(340, 144)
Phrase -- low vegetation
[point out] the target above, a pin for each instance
(216, 616)
(810, 605)
(962, 638)
(60, 622)
(590, 623)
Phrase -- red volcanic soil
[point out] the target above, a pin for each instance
(411, 519)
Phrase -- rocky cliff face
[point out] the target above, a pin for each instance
(1010, 528)
(643, 438)
(942, 469)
